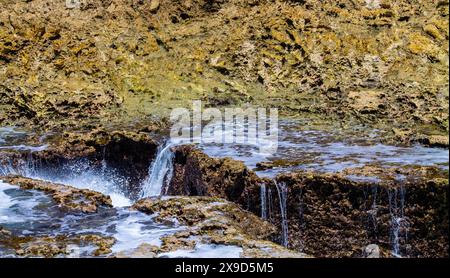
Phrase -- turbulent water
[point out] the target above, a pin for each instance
(81, 174)
(327, 151)
(34, 213)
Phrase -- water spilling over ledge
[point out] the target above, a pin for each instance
(366, 176)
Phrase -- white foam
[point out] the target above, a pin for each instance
(6, 202)
(119, 200)
(206, 251)
(133, 231)
(83, 175)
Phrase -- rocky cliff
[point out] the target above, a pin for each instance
(117, 62)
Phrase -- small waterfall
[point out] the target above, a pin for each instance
(263, 201)
(282, 196)
(399, 224)
(373, 212)
(269, 204)
(160, 173)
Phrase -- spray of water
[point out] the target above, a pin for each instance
(81, 173)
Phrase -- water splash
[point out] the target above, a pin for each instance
(282, 196)
(33, 213)
(399, 223)
(263, 201)
(81, 173)
(160, 173)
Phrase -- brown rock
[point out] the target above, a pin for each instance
(67, 197)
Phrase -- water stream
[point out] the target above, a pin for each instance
(263, 201)
(327, 151)
(160, 173)
(399, 223)
(282, 196)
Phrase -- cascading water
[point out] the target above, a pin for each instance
(160, 173)
(399, 224)
(263, 201)
(282, 196)
(373, 212)
(269, 204)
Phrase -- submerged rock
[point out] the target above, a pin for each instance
(56, 246)
(68, 197)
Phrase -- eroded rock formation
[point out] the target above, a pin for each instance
(68, 197)
(333, 215)
(214, 221)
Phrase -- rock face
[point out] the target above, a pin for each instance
(68, 197)
(372, 251)
(104, 74)
(54, 246)
(197, 174)
(212, 221)
(404, 211)
(337, 217)
(119, 61)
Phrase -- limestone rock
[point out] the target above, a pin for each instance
(212, 221)
(372, 251)
(67, 197)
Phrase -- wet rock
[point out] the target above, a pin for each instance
(435, 141)
(372, 251)
(56, 246)
(4, 233)
(94, 65)
(142, 251)
(333, 215)
(207, 213)
(197, 174)
(212, 221)
(70, 198)
(338, 214)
